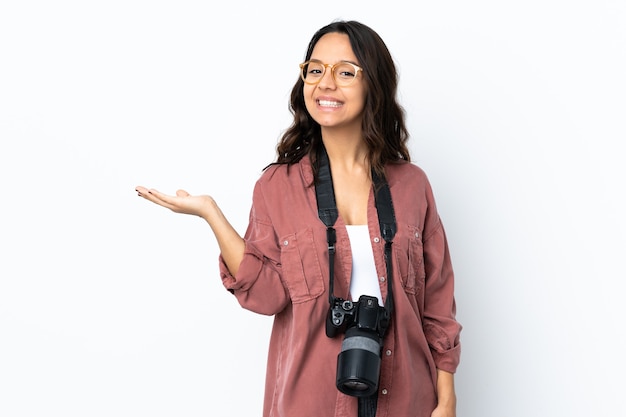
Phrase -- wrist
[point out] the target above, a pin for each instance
(446, 400)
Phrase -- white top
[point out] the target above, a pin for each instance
(364, 279)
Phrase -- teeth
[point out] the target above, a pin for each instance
(326, 103)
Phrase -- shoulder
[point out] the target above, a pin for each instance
(272, 171)
(409, 184)
(276, 173)
(412, 196)
(405, 173)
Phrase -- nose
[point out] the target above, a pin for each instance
(327, 81)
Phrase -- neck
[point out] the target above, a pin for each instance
(345, 152)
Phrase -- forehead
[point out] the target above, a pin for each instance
(332, 48)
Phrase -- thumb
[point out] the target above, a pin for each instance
(182, 193)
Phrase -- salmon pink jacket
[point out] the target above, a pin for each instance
(284, 273)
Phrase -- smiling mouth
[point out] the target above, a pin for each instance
(328, 103)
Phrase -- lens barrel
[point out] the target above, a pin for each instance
(358, 363)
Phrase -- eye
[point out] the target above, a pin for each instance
(345, 71)
(314, 70)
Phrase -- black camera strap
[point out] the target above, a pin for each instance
(328, 214)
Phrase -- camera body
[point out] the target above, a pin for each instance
(364, 323)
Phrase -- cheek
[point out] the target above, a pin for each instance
(363, 100)
(307, 94)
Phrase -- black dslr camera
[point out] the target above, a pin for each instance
(364, 323)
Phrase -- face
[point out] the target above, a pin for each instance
(330, 105)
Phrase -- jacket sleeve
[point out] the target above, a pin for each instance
(258, 285)
(440, 325)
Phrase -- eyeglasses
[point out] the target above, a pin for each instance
(344, 73)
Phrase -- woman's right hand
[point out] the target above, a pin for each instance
(182, 202)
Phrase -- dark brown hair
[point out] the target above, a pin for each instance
(384, 129)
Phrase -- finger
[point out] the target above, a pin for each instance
(143, 192)
(147, 193)
(160, 198)
(155, 197)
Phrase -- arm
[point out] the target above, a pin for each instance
(441, 328)
(231, 244)
(446, 396)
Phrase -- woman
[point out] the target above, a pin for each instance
(347, 141)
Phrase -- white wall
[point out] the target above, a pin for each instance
(112, 306)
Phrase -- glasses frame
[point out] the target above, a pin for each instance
(332, 72)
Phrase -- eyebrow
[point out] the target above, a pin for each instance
(341, 60)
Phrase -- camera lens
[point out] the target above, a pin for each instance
(356, 386)
(358, 364)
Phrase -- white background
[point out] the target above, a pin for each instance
(112, 306)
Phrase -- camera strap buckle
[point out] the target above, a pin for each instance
(331, 237)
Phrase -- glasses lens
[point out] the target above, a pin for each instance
(312, 72)
(344, 73)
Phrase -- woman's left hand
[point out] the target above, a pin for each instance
(442, 411)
